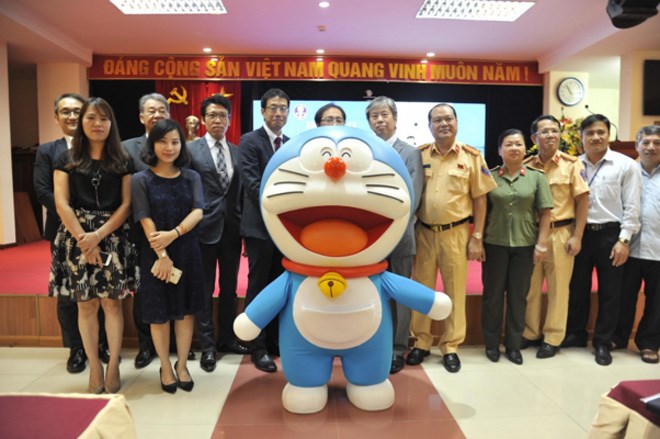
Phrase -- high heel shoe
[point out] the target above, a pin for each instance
(113, 387)
(185, 385)
(169, 388)
(95, 388)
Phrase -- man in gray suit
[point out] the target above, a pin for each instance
(264, 259)
(216, 161)
(382, 116)
(153, 107)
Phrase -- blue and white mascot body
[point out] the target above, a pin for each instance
(336, 201)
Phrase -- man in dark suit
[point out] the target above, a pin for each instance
(264, 259)
(216, 161)
(67, 114)
(382, 116)
(153, 107)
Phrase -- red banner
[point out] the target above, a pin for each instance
(302, 68)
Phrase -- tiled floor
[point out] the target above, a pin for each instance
(553, 398)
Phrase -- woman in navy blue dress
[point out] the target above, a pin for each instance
(168, 202)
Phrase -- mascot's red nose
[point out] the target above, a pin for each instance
(335, 168)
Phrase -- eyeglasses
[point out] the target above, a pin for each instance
(333, 120)
(438, 120)
(214, 116)
(548, 132)
(66, 112)
(275, 108)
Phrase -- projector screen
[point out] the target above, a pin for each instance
(412, 120)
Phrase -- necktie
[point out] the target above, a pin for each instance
(221, 167)
(278, 143)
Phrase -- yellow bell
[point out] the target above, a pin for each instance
(332, 284)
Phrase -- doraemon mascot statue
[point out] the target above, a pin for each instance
(336, 201)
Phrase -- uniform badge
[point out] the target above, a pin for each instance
(485, 171)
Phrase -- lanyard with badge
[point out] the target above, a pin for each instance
(595, 173)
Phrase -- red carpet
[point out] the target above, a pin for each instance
(418, 410)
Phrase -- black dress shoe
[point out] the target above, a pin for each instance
(169, 388)
(603, 356)
(191, 355)
(547, 351)
(104, 353)
(263, 361)
(208, 361)
(416, 356)
(143, 358)
(397, 363)
(184, 385)
(451, 362)
(573, 341)
(76, 361)
(493, 355)
(525, 343)
(234, 347)
(513, 355)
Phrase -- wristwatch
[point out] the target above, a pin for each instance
(162, 254)
(477, 235)
(624, 241)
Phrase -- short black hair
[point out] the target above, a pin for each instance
(274, 93)
(507, 133)
(592, 119)
(75, 96)
(216, 99)
(319, 114)
(535, 124)
(443, 104)
(158, 132)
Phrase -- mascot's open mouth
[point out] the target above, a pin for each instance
(335, 230)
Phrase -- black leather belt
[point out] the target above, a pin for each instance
(598, 227)
(561, 223)
(443, 227)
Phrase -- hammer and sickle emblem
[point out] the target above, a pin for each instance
(180, 98)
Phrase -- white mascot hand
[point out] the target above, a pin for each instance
(441, 306)
(245, 329)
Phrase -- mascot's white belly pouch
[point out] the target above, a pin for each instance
(337, 323)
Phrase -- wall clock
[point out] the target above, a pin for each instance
(570, 91)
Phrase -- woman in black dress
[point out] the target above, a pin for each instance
(94, 261)
(168, 202)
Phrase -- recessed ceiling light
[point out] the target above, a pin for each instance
(175, 7)
(206, 50)
(430, 54)
(477, 10)
(319, 58)
(324, 4)
(320, 51)
(424, 61)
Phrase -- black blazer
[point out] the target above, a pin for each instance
(134, 147)
(221, 212)
(44, 165)
(254, 151)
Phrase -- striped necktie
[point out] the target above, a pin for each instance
(221, 167)
(278, 143)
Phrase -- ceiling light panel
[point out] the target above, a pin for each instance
(169, 7)
(476, 10)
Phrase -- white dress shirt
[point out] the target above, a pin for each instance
(615, 184)
(646, 243)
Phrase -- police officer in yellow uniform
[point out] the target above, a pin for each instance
(570, 198)
(456, 181)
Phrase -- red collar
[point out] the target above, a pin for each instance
(347, 272)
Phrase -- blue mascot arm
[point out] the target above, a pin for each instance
(416, 296)
(269, 302)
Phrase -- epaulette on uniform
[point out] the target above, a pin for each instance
(472, 150)
(535, 169)
(568, 157)
(425, 146)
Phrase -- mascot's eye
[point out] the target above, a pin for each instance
(316, 152)
(356, 153)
